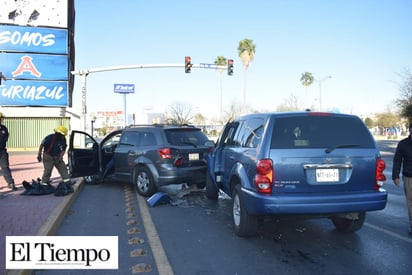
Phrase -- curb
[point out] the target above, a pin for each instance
(54, 220)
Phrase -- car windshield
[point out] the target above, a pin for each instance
(186, 136)
(327, 132)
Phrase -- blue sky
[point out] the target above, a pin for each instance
(364, 45)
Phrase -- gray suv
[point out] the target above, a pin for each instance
(149, 156)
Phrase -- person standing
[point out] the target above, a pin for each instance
(53, 148)
(4, 156)
(402, 160)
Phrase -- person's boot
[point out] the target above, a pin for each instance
(12, 187)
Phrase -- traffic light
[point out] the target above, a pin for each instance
(188, 65)
(230, 67)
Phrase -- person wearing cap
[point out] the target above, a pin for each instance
(402, 160)
(4, 156)
(53, 148)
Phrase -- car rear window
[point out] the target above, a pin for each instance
(320, 132)
(186, 136)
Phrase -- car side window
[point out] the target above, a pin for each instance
(252, 133)
(228, 137)
(147, 139)
(129, 139)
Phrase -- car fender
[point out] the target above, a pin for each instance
(238, 175)
(144, 161)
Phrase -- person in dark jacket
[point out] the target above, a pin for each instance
(53, 148)
(403, 160)
(4, 156)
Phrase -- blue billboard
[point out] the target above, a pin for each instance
(34, 93)
(35, 62)
(33, 39)
(124, 88)
(34, 66)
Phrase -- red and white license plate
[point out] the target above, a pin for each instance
(327, 175)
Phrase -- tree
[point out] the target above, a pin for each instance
(368, 122)
(220, 61)
(405, 101)
(199, 120)
(387, 120)
(289, 104)
(246, 50)
(307, 79)
(179, 114)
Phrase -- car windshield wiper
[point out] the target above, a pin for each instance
(331, 148)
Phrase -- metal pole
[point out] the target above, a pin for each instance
(84, 106)
(124, 109)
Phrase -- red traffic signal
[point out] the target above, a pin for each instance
(230, 67)
(188, 64)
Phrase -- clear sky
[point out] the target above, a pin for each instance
(364, 45)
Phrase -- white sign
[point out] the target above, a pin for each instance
(62, 252)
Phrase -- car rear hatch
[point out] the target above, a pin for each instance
(189, 146)
(318, 153)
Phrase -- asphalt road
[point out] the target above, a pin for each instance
(194, 236)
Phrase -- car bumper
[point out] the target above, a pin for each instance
(258, 204)
(190, 175)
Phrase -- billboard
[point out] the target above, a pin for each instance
(34, 13)
(37, 52)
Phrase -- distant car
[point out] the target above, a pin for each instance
(149, 156)
(298, 163)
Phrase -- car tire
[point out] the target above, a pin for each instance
(244, 224)
(201, 184)
(211, 191)
(144, 182)
(349, 225)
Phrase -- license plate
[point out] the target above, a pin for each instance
(327, 175)
(194, 156)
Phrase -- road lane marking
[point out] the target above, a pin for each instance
(162, 263)
(393, 234)
(132, 223)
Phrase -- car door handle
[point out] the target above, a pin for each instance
(231, 157)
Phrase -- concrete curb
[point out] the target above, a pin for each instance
(54, 220)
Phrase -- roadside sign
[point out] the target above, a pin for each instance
(124, 88)
(208, 66)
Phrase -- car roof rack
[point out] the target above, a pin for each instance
(160, 125)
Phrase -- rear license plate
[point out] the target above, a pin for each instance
(194, 156)
(327, 175)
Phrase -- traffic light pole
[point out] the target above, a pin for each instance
(85, 72)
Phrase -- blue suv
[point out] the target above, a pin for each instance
(309, 163)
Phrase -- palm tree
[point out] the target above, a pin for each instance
(307, 79)
(220, 61)
(246, 50)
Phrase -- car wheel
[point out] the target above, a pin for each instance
(201, 184)
(349, 224)
(211, 191)
(144, 182)
(244, 224)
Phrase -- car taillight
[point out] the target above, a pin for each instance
(264, 176)
(178, 161)
(380, 177)
(165, 153)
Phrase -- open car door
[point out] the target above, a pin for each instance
(83, 155)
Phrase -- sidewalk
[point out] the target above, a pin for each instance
(22, 215)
